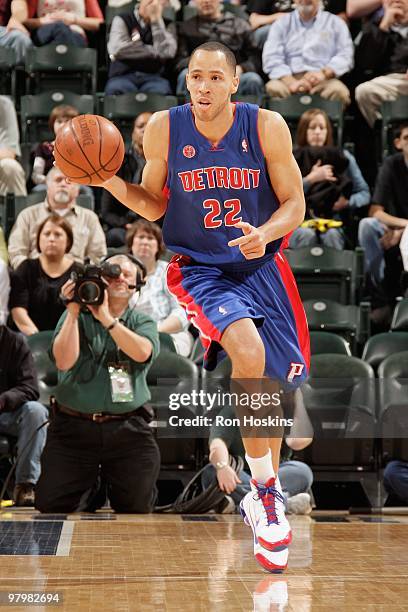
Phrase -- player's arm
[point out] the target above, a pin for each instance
(284, 173)
(286, 181)
(147, 199)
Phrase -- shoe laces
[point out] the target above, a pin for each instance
(268, 494)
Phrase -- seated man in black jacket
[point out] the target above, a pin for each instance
(139, 46)
(20, 414)
(383, 49)
(113, 213)
(212, 24)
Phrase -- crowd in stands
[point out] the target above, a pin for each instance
(355, 53)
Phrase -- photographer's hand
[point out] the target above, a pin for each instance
(67, 293)
(101, 313)
(66, 344)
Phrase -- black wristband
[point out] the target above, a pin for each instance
(112, 325)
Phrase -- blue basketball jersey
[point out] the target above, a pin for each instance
(210, 188)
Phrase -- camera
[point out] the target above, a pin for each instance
(89, 284)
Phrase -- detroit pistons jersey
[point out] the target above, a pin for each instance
(211, 188)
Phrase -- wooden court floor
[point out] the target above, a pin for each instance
(192, 564)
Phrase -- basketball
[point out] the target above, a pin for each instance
(89, 149)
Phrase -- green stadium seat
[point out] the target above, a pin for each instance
(392, 114)
(400, 317)
(339, 397)
(166, 342)
(381, 346)
(125, 108)
(52, 66)
(35, 111)
(325, 342)
(351, 322)
(8, 73)
(293, 107)
(46, 370)
(171, 373)
(323, 272)
(393, 406)
(250, 99)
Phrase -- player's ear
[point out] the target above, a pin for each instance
(187, 83)
(235, 84)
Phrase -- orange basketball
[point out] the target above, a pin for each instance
(89, 149)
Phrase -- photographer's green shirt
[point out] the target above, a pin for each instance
(86, 386)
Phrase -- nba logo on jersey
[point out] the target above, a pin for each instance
(296, 369)
(244, 145)
(189, 151)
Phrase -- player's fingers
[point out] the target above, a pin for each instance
(240, 241)
(246, 227)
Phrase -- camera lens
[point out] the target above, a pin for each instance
(89, 292)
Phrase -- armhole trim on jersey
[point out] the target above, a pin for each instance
(259, 135)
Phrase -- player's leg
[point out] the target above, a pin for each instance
(263, 507)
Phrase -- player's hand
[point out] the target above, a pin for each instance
(252, 244)
(227, 479)
(67, 293)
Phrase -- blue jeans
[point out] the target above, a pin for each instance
(261, 34)
(295, 477)
(57, 33)
(21, 43)
(137, 81)
(396, 479)
(370, 230)
(250, 84)
(306, 236)
(22, 424)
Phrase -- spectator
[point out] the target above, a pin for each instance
(12, 32)
(211, 24)
(117, 217)
(383, 49)
(388, 214)
(89, 239)
(102, 358)
(362, 8)
(145, 241)
(12, 177)
(4, 292)
(396, 482)
(20, 414)
(66, 23)
(327, 192)
(263, 13)
(44, 153)
(296, 478)
(139, 46)
(35, 285)
(307, 51)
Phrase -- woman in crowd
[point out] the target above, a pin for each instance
(144, 240)
(35, 285)
(332, 180)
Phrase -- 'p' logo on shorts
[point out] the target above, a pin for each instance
(296, 369)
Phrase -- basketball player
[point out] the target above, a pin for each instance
(225, 178)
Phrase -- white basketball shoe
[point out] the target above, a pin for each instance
(263, 509)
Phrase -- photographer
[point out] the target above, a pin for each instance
(100, 423)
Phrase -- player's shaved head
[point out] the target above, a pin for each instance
(217, 47)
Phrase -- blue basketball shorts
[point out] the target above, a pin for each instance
(214, 298)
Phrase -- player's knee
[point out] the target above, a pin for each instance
(248, 360)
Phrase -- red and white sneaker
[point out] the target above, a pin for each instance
(275, 562)
(263, 509)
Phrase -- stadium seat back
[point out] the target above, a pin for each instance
(54, 66)
(46, 370)
(325, 342)
(393, 404)
(8, 71)
(381, 346)
(124, 109)
(392, 113)
(293, 107)
(400, 317)
(35, 111)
